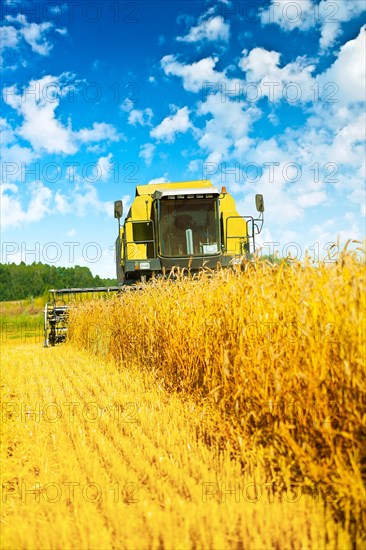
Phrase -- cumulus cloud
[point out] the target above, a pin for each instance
(162, 179)
(12, 154)
(210, 30)
(292, 82)
(34, 34)
(289, 15)
(302, 168)
(228, 125)
(9, 37)
(87, 200)
(37, 107)
(331, 27)
(127, 105)
(17, 31)
(325, 16)
(40, 126)
(12, 212)
(104, 167)
(147, 153)
(311, 199)
(100, 131)
(136, 116)
(348, 71)
(142, 117)
(21, 208)
(194, 75)
(172, 125)
(61, 204)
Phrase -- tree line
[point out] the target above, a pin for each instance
(19, 281)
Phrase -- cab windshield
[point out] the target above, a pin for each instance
(189, 227)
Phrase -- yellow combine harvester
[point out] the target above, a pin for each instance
(187, 224)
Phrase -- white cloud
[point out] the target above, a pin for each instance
(87, 200)
(33, 34)
(162, 179)
(63, 32)
(195, 74)
(40, 202)
(292, 82)
(328, 147)
(227, 127)
(331, 26)
(172, 125)
(289, 15)
(100, 131)
(127, 105)
(320, 229)
(209, 30)
(12, 154)
(307, 14)
(194, 165)
(10, 207)
(142, 117)
(136, 116)
(104, 167)
(82, 200)
(12, 212)
(147, 152)
(348, 71)
(307, 200)
(37, 106)
(348, 143)
(61, 204)
(40, 126)
(9, 37)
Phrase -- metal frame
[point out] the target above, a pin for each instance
(198, 256)
(254, 230)
(56, 311)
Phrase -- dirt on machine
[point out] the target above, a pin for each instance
(188, 224)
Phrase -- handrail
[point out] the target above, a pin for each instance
(249, 237)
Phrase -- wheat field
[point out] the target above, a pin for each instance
(226, 411)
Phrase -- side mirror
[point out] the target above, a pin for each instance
(259, 203)
(118, 209)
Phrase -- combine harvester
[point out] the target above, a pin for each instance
(188, 224)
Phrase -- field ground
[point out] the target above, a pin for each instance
(96, 456)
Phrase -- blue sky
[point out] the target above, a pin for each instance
(261, 96)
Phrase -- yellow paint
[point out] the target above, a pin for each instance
(140, 210)
(142, 206)
(233, 227)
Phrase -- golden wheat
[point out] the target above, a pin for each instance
(95, 457)
(279, 353)
(226, 411)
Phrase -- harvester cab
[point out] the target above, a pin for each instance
(186, 224)
(189, 224)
